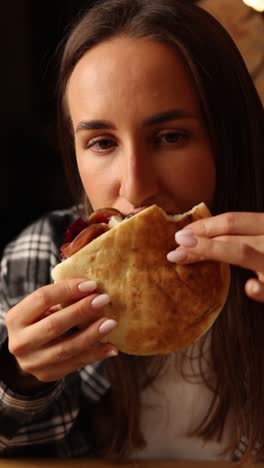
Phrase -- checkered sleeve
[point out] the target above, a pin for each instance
(47, 416)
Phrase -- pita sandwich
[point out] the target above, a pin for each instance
(160, 307)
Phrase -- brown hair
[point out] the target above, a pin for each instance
(235, 120)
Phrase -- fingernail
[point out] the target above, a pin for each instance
(255, 288)
(100, 301)
(112, 353)
(185, 237)
(87, 286)
(177, 256)
(107, 326)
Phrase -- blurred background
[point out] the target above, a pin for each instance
(31, 172)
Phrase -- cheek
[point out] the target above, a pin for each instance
(87, 175)
(205, 181)
(202, 172)
(192, 180)
(98, 182)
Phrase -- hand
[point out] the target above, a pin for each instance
(235, 238)
(37, 326)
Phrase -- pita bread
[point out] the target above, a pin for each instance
(160, 307)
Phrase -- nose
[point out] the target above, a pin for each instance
(138, 178)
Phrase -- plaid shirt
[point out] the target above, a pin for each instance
(54, 422)
(48, 423)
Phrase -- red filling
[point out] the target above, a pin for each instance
(75, 229)
(74, 240)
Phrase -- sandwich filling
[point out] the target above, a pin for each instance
(82, 232)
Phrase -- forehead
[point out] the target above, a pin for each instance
(125, 70)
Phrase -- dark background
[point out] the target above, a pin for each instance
(31, 172)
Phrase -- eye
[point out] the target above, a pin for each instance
(172, 137)
(101, 145)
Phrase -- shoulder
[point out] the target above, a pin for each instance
(39, 238)
(27, 261)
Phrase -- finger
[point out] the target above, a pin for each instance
(255, 289)
(98, 353)
(183, 256)
(76, 344)
(232, 249)
(228, 223)
(34, 306)
(67, 352)
(51, 372)
(54, 326)
(52, 310)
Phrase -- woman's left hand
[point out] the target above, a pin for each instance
(235, 238)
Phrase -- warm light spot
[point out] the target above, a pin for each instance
(258, 5)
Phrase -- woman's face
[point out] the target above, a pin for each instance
(139, 132)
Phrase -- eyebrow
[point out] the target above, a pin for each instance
(162, 117)
(167, 116)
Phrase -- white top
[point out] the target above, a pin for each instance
(172, 406)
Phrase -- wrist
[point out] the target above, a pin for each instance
(15, 378)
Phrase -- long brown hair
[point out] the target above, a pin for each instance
(234, 117)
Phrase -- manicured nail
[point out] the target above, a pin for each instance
(177, 255)
(87, 286)
(185, 237)
(255, 287)
(100, 301)
(112, 353)
(107, 326)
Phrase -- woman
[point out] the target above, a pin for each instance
(155, 106)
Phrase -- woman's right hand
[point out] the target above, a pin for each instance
(38, 324)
